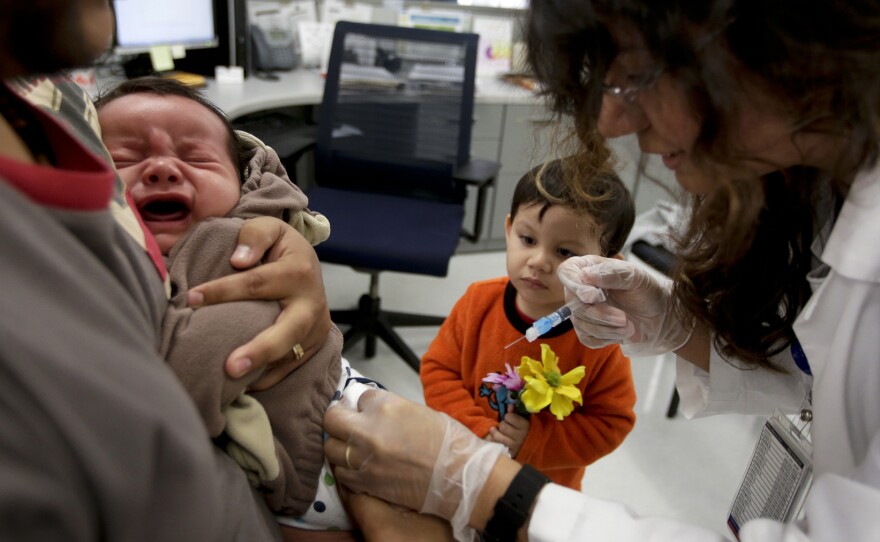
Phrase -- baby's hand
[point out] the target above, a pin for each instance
(511, 432)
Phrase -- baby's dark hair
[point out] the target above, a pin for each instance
(598, 193)
(162, 86)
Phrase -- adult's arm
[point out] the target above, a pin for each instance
(638, 314)
(428, 485)
(837, 508)
(97, 437)
(696, 350)
(291, 274)
(723, 387)
(563, 515)
(379, 521)
(402, 452)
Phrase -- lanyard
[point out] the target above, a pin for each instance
(800, 358)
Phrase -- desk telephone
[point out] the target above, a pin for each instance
(273, 49)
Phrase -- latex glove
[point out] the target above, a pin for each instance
(410, 455)
(290, 273)
(637, 311)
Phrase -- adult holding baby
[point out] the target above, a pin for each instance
(97, 438)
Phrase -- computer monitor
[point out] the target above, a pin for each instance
(214, 32)
(142, 24)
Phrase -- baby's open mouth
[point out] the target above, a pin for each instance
(164, 210)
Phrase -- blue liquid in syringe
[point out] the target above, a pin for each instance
(546, 323)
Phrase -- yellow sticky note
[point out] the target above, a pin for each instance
(161, 58)
(178, 51)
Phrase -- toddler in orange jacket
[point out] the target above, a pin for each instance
(559, 210)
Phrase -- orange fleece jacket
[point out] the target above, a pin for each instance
(470, 345)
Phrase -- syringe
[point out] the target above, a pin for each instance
(546, 323)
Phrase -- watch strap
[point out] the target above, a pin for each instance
(512, 509)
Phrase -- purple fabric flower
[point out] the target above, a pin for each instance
(510, 379)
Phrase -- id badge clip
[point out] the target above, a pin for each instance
(779, 474)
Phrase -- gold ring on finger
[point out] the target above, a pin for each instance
(348, 456)
(298, 351)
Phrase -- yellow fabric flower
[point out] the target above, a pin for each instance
(545, 385)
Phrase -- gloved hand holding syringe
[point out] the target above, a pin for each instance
(546, 323)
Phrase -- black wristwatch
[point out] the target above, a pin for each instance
(512, 510)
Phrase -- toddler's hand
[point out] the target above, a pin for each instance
(511, 432)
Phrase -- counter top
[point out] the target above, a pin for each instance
(306, 87)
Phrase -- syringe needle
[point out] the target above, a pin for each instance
(545, 323)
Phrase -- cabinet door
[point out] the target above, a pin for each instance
(487, 124)
(485, 144)
(645, 175)
(526, 143)
(527, 132)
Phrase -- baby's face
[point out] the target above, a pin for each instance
(173, 156)
(537, 245)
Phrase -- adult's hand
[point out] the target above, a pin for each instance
(410, 455)
(292, 534)
(291, 274)
(383, 522)
(637, 311)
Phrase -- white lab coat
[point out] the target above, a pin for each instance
(839, 330)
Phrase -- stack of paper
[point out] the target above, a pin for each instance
(437, 73)
(357, 76)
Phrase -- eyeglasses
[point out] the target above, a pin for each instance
(630, 92)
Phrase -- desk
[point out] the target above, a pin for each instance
(295, 88)
(306, 87)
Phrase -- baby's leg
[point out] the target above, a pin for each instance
(326, 513)
(326, 518)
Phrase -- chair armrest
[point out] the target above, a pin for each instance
(478, 172)
(654, 255)
(297, 149)
(482, 174)
(288, 136)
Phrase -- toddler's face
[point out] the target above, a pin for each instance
(173, 156)
(535, 248)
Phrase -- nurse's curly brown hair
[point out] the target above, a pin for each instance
(743, 262)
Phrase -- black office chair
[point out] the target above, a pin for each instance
(658, 257)
(286, 130)
(392, 163)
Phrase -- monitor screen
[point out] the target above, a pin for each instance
(141, 24)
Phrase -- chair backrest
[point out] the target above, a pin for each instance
(397, 111)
